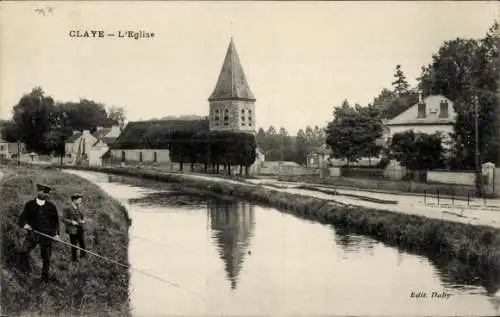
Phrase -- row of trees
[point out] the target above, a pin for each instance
(213, 149)
(44, 124)
(463, 70)
(280, 145)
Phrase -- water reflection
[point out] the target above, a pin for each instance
(294, 268)
(232, 225)
(453, 272)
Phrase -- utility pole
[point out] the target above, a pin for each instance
(281, 154)
(62, 145)
(18, 152)
(479, 181)
(208, 153)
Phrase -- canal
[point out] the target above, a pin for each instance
(248, 260)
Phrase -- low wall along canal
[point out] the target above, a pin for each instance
(246, 259)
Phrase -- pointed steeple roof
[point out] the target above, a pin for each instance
(232, 83)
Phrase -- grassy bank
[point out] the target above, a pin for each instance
(478, 246)
(91, 288)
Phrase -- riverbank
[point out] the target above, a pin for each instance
(90, 288)
(476, 245)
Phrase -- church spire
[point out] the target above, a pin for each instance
(232, 83)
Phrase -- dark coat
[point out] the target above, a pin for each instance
(72, 214)
(41, 218)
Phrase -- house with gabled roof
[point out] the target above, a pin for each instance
(84, 147)
(432, 114)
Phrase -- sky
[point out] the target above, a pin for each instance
(301, 59)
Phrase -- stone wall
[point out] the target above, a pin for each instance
(162, 155)
(456, 178)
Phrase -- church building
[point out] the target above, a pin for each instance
(231, 108)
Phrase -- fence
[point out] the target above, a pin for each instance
(468, 199)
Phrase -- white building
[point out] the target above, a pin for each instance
(10, 150)
(430, 115)
(89, 148)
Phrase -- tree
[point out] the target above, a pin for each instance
(86, 114)
(417, 151)
(463, 70)
(10, 132)
(262, 139)
(400, 84)
(59, 132)
(383, 100)
(32, 116)
(372, 128)
(301, 147)
(117, 115)
(353, 132)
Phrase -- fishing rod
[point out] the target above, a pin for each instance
(119, 263)
(150, 241)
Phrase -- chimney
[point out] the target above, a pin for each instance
(421, 110)
(443, 109)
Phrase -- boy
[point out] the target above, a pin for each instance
(74, 220)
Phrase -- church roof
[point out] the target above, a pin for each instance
(136, 134)
(232, 83)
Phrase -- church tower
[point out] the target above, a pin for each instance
(232, 103)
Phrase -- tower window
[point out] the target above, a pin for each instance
(226, 117)
(217, 117)
(243, 117)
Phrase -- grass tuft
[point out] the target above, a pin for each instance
(92, 287)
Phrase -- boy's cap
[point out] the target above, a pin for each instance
(76, 196)
(44, 188)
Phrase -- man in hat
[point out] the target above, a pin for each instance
(39, 215)
(74, 220)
